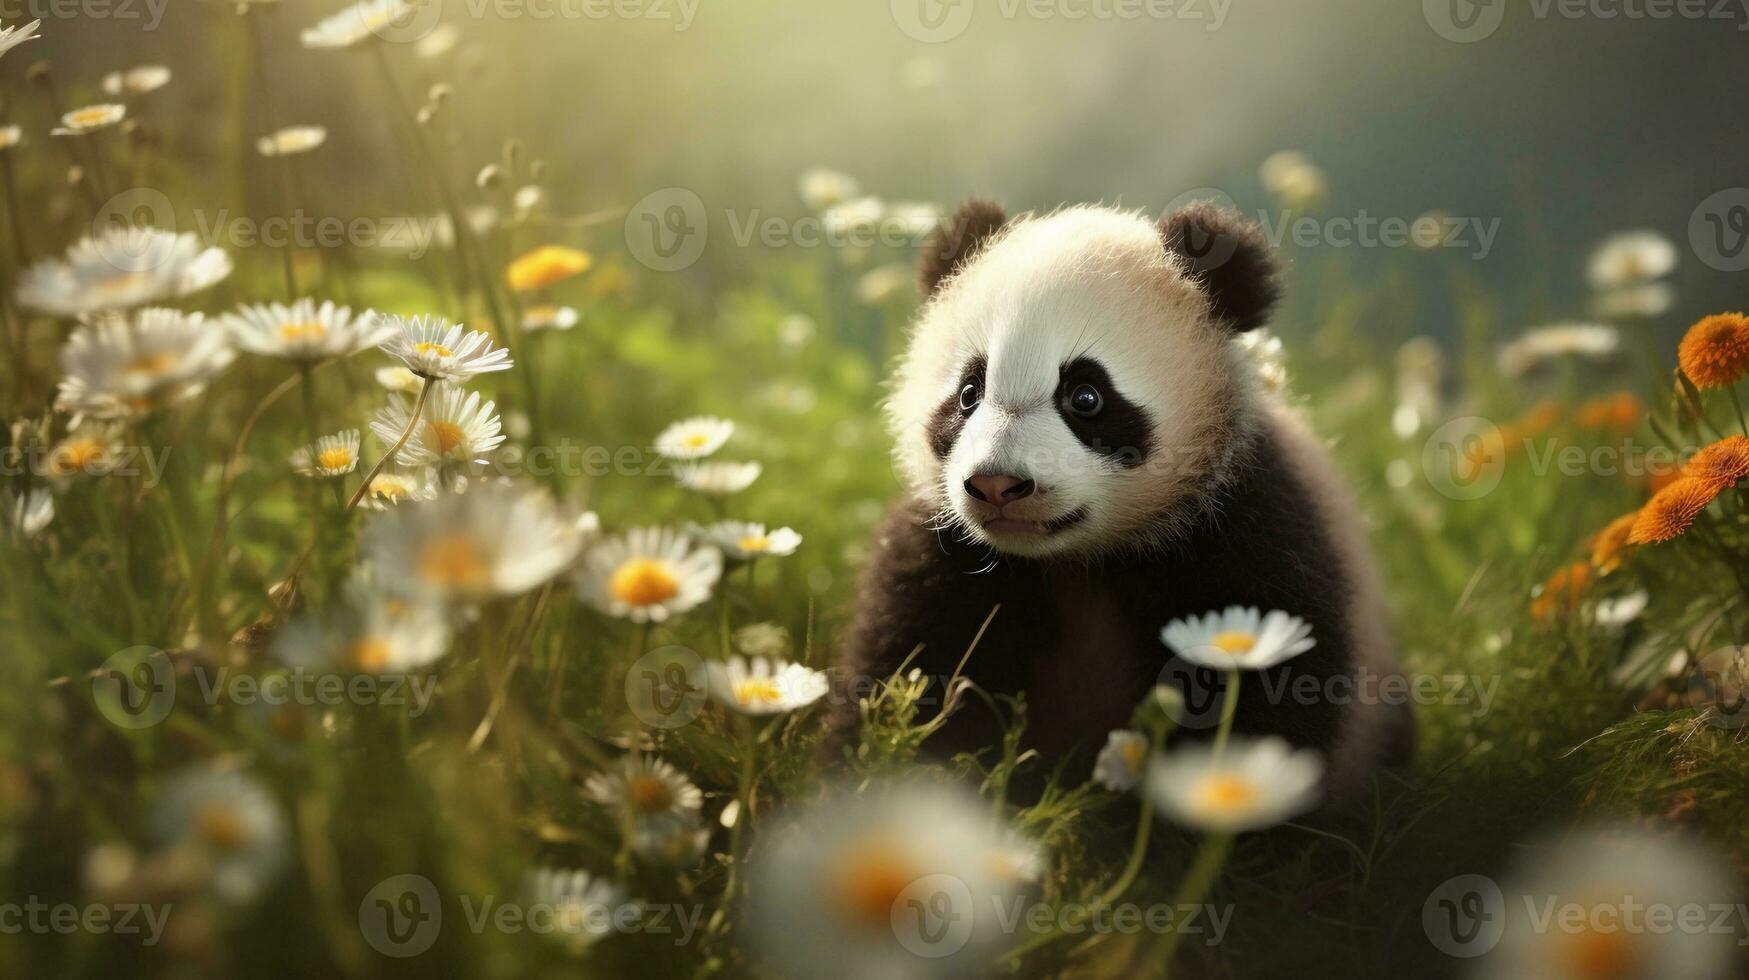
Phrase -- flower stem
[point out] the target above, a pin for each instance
(1210, 859)
(407, 433)
(1228, 709)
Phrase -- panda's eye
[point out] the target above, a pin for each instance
(969, 396)
(1084, 400)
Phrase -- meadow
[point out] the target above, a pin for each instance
(460, 598)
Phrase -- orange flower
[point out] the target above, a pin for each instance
(546, 265)
(1715, 351)
(1541, 418)
(1724, 462)
(1562, 592)
(1672, 509)
(1610, 545)
(1620, 412)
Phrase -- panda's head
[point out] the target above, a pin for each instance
(1072, 385)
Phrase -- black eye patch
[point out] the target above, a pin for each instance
(1118, 428)
(950, 416)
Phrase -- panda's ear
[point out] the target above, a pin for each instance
(955, 241)
(1229, 257)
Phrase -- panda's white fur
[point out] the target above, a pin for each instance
(1083, 281)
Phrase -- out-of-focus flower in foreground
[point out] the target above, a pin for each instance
(119, 269)
(719, 479)
(694, 438)
(123, 364)
(498, 539)
(1238, 638)
(229, 824)
(1249, 785)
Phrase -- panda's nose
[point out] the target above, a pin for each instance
(998, 488)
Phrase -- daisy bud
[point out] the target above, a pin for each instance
(490, 178)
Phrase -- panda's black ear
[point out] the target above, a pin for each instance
(1229, 257)
(955, 241)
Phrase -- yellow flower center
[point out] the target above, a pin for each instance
(220, 826)
(151, 364)
(447, 435)
(1234, 642)
(869, 881)
(754, 543)
(336, 458)
(88, 117)
(454, 561)
(697, 440)
(757, 690)
(1132, 753)
(429, 347)
(291, 333)
(78, 456)
(648, 794)
(1597, 955)
(391, 488)
(370, 653)
(644, 582)
(122, 284)
(1226, 792)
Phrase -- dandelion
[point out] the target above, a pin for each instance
(119, 269)
(1610, 547)
(1251, 784)
(136, 81)
(1629, 258)
(89, 450)
(1294, 180)
(694, 438)
(228, 823)
(392, 487)
(455, 427)
(545, 266)
(383, 636)
(1238, 638)
(1671, 510)
(304, 331)
(496, 540)
(1715, 351)
(837, 889)
(90, 119)
(335, 455)
(127, 364)
(12, 37)
(764, 687)
(1560, 595)
(821, 188)
(30, 512)
(1543, 344)
(291, 141)
(548, 317)
(433, 348)
(718, 479)
(648, 574)
(1723, 463)
(763, 640)
(584, 909)
(1119, 766)
(358, 23)
(644, 787)
(744, 541)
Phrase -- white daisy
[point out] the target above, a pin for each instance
(1617, 612)
(546, 317)
(119, 269)
(357, 23)
(821, 188)
(899, 881)
(10, 136)
(90, 449)
(29, 514)
(381, 636)
(846, 217)
(764, 687)
(1542, 344)
(399, 379)
(582, 909)
(395, 486)
(1253, 783)
(455, 426)
(90, 119)
(304, 331)
(717, 479)
(1627, 904)
(12, 37)
(229, 824)
(1238, 638)
(644, 787)
(497, 539)
(335, 455)
(738, 539)
(291, 140)
(136, 81)
(648, 574)
(120, 364)
(694, 438)
(1645, 299)
(1630, 257)
(432, 348)
(1119, 766)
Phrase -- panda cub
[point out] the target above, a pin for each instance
(1087, 445)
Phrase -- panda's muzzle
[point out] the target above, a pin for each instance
(999, 488)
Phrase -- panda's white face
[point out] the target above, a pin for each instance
(1066, 389)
